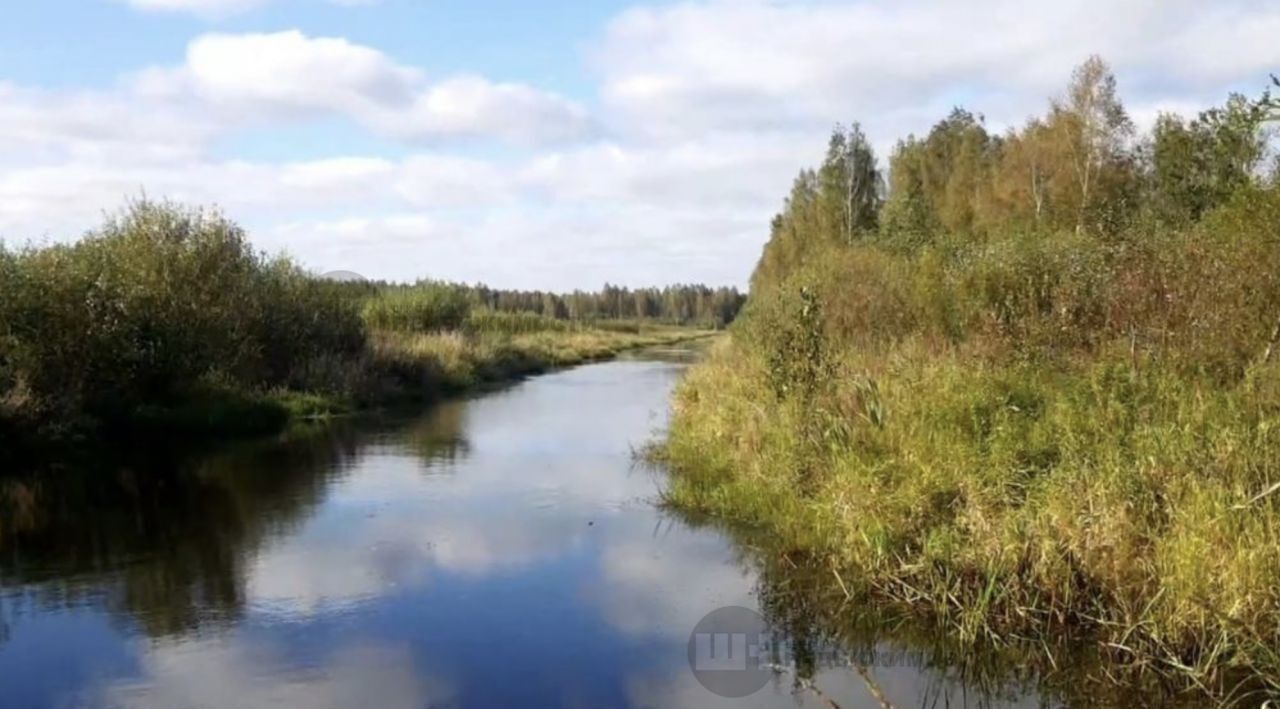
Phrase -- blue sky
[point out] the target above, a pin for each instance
(552, 144)
(80, 43)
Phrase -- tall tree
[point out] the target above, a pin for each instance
(942, 181)
(1197, 165)
(1094, 127)
(1030, 169)
(851, 185)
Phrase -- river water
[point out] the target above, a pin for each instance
(502, 550)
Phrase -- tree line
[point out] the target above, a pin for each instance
(1081, 167)
(676, 304)
(694, 305)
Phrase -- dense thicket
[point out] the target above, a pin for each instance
(1031, 384)
(156, 304)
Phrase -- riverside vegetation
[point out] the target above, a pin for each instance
(1027, 387)
(166, 318)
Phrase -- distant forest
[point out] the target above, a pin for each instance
(694, 304)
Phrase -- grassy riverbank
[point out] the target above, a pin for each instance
(1127, 506)
(414, 364)
(167, 320)
(400, 369)
(1025, 431)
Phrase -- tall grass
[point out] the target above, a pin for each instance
(1022, 435)
(414, 366)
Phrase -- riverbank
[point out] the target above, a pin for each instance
(399, 369)
(1125, 510)
(167, 321)
(1022, 425)
(421, 531)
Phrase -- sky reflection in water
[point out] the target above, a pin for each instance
(498, 551)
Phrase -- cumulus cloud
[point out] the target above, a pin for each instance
(290, 71)
(229, 84)
(474, 105)
(582, 216)
(698, 68)
(289, 75)
(553, 248)
(702, 115)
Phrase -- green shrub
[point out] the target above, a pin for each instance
(143, 309)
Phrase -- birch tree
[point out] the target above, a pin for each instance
(1095, 128)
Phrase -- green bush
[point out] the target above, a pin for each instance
(143, 309)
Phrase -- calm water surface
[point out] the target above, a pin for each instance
(498, 551)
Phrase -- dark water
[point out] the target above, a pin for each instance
(495, 552)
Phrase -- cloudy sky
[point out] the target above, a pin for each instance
(555, 144)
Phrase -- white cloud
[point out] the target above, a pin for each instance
(471, 105)
(101, 125)
(746, 172)
(699, 68)
(229, 84)
(705, 112)
(290, 71)
(235, 672)
(63, 199)
(288, 74)
(580, 216)
(535, 247)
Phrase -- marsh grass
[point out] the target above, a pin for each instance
(1023, 438)
(416, 366)
(814, 604)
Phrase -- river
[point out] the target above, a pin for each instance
(500, 550)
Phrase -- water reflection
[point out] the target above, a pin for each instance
(158, 540)
(851, 653)
(496, 551)
(436, 436)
